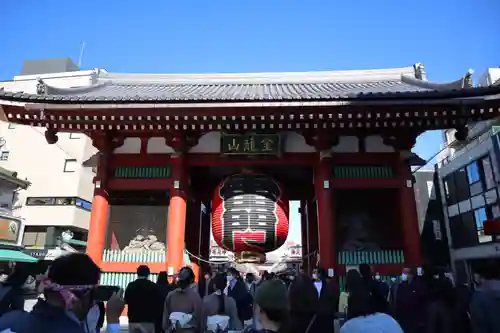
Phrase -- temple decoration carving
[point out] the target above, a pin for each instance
(106, 142)
(41, 87)
(420, 73)
(181, 143)
(321, 142)
(144, 241)
(400, 142)
(357, 236)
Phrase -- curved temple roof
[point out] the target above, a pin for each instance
(405, 83)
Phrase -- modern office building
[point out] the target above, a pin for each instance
(11, 227)
(59, 198)
(469, 176)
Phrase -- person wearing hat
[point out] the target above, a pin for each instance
(271, 307)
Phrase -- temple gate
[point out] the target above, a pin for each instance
(339, 142)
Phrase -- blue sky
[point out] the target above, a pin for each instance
(448, 36)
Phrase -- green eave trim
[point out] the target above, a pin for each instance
(15, 256)
(145, 172)
(363, 172)
(9, 177)
(75, 242)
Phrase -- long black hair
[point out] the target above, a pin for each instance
(353, 280)
(162, 279)
(185, 277)
(220, 284)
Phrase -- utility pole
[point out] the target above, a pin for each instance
(82, 48)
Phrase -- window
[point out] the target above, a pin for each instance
(489, 178)
(34, 238)
(12, 126)
(463, 230)
(74, 135)
(494, 211)
(480, 216)
(65, 201)
(59, 201)
(4, 156)
(70, 165)
(462, 185)
(473, 173)
(431, 190)
(450, 189)
(40, 201)
(436, 226)
(83, 204)
(469, 229)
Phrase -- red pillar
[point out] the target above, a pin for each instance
(326, 229)
(409, 218)
(304, 234)
(176, 228)
(96, 238)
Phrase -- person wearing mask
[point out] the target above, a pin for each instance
(208, 286)
(237, 289)
(303, 303)
(272, 308)
(410, 297)
(68, 291)
(165, 287)
(144, 300)
(363, 316)
(485, 301)
(328, 299)
(377, 288)
(183, 306)
(220, 305)
(251, 283)
(11, 291)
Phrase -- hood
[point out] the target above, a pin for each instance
(491, 288)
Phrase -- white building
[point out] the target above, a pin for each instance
(59, 198)
(469, 178)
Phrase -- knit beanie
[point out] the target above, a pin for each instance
(272, 295)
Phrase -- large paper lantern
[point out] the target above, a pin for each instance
(249, 215)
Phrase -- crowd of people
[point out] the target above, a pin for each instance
(419, 300)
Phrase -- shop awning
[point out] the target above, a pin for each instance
(16, 256)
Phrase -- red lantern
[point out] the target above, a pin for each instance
(249, 214)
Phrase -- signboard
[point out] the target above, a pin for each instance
(10, 229)
(250, 144)
(46, 254)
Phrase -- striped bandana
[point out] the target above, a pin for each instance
(66, 291)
